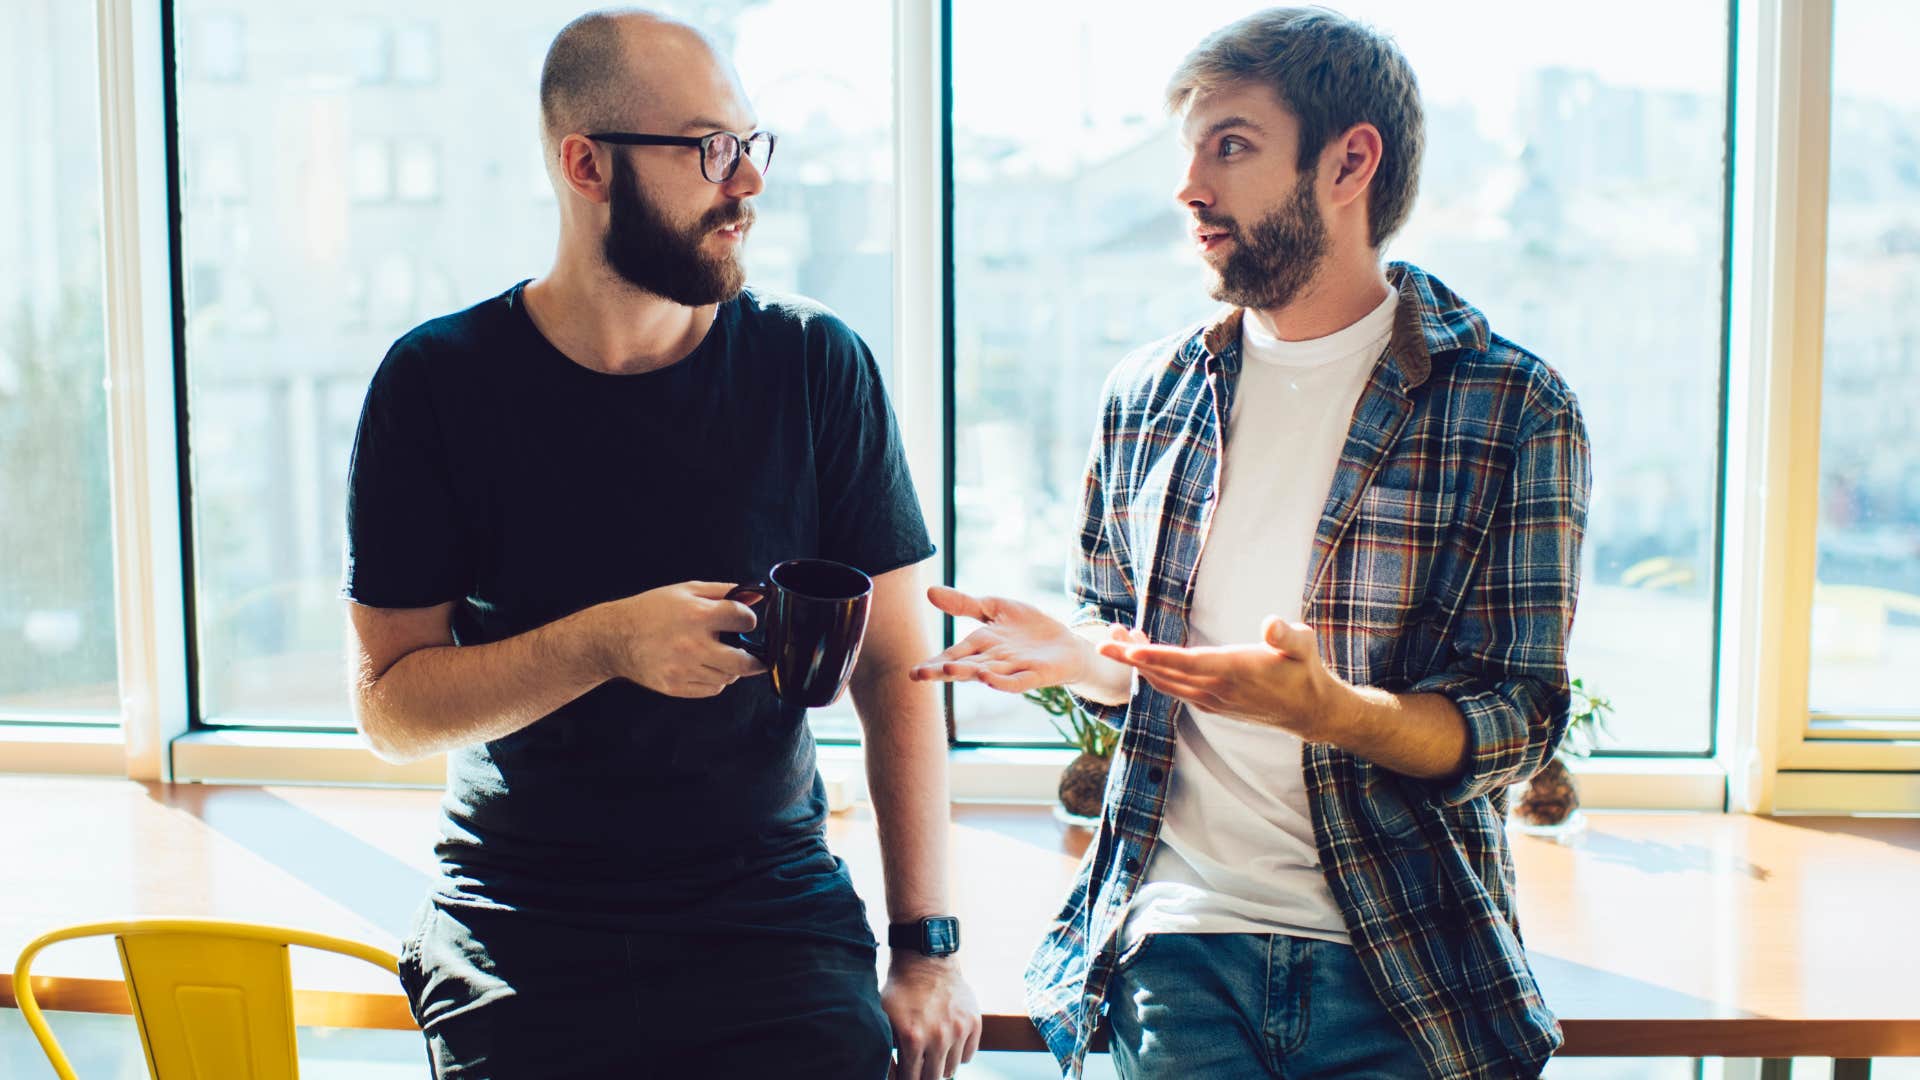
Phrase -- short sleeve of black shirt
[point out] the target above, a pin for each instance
(869, 513)
(408, 543)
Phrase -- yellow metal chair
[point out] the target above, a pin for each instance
(213, 1000)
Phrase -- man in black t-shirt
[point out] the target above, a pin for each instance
(551, 494)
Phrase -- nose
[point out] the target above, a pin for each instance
(747, 180)
(1194, 193)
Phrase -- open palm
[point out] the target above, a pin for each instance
(1016, 648)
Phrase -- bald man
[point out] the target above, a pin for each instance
(550, 496)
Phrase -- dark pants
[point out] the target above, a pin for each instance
(508, 996)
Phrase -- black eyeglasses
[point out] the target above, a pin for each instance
(720, 152)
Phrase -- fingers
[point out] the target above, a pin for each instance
(732, 615)
(1003, 675)
(1174, 686)
(936, 670)
(1193, 662)
(1294, 639)
(955, 602)
(908, 1064)
(709, 590)
(956, 1053)
(1017, 682)
(933, 668)
(729, 663)
(698, 687)
(972, 645)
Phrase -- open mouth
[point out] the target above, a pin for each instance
(1209, 237)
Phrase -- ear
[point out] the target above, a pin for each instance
(586, 167)
(1352, 158)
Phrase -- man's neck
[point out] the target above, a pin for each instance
(1342, 293)
(602, 322)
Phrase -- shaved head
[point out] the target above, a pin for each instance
(647, 215)
(597, 72)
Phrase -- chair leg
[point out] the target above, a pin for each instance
(1776, 1069)
(1852, 1068)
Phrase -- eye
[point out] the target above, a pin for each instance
(1232, 146)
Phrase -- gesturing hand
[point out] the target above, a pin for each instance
(1279, 681)
(1017, 647)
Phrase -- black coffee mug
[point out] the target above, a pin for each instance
(813, 617)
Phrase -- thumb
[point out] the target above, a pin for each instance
(955, 602)
(1294, 639)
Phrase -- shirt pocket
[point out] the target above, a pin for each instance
(1387, 557)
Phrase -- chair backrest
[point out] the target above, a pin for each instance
(213, 1000)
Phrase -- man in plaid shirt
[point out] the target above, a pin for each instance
(1327, 575)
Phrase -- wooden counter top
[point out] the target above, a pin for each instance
(1652, 934)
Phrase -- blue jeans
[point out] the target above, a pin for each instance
(1200, 1006)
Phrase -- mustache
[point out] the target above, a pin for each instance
(726, 217)
(1217, 221)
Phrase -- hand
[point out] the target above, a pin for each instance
(1279, 681)
(1017, 648)
(936, 1022)
(666, 639)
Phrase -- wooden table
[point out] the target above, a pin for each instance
(1691, 935)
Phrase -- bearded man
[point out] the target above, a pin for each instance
(1326, 574)
(551, 494)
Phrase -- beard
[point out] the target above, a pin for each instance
(653, 254)
(1273, 259)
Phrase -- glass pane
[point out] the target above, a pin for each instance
(57, 648)
(1572, 190)
(355, 173)
(1866, 602)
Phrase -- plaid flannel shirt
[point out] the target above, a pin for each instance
(1446, 561)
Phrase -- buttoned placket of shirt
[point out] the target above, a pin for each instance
(1220, 402)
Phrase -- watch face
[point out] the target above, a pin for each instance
(943, 935)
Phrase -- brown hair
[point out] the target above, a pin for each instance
(1332, 73)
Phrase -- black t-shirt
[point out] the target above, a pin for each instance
(491, 471)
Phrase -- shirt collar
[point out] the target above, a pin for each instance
(1428, 321)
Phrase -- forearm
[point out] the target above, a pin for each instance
(1418, 735)
(906, 752)
(446, 696)
(1106, 681)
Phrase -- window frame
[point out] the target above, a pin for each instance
(1789, 755)
(1770, 752)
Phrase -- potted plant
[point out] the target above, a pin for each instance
(1083, 784)
(1549, 804)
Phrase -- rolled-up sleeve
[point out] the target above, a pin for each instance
(1097, 577)
(1506, 666)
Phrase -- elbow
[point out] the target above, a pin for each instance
(383, 737)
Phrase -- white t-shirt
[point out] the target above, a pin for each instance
(1236, 851)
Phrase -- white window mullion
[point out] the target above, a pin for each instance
(1774, 436)
(1744, 733)
(917, 380)
(148, 580)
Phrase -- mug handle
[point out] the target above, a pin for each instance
(755, 647)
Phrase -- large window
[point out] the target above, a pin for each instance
(347, 171)
(1866, 601)
(1573, 190)
(350, 173)
(57, 644)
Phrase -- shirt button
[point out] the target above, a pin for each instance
(1156, 774)
(1133, 865)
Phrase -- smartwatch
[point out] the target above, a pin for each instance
(935, 935)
